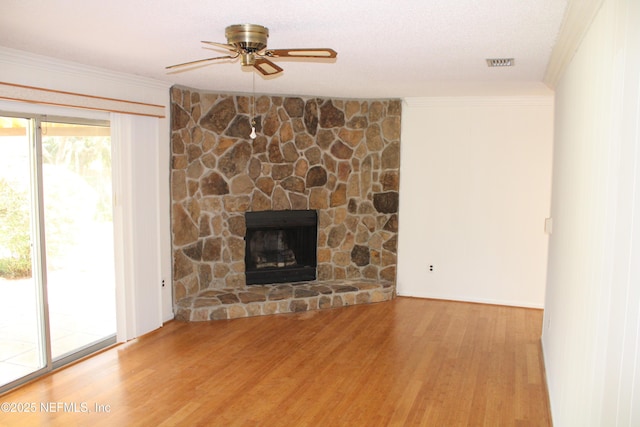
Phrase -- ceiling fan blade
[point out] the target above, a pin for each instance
(184, 64)
(302, 53)
(230, 47)
(266, 67)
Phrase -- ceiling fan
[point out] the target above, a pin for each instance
(249, 42)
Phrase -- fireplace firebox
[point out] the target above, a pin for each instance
(280, 246)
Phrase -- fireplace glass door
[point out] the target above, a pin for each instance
(281, 246)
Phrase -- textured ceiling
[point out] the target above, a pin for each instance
(385, 48)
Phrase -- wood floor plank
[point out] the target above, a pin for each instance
(404, 362)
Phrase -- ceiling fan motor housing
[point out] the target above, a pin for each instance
(249, 37)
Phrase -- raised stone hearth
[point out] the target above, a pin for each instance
(340, 158)
(231, 303)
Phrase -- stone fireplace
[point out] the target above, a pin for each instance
(336, 158)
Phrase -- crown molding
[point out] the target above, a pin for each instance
(577, 20)
(480, 101)
(20, 58)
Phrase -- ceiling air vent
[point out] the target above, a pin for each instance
(500, 62)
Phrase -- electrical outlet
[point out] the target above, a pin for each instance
(430, 268)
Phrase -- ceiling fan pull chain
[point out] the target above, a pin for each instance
(252, 135)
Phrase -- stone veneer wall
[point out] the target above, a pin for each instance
(339, 157)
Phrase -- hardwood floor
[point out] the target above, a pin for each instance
(404, 362)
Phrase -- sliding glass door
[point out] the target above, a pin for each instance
(22, 337)
(57, 244)
(78, 235)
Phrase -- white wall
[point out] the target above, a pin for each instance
(592, 310)
(149, 167)
(475, 180)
